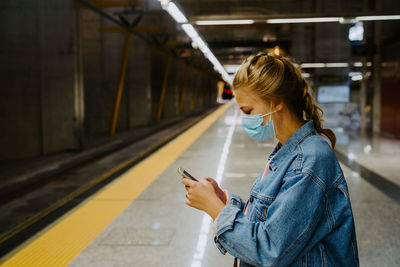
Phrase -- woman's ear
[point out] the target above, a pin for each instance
(278, 106)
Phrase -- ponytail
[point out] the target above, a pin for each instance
(313, 112)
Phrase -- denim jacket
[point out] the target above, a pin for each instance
(298, 215)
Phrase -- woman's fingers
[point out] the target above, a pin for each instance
(211, 180)
(188, 182)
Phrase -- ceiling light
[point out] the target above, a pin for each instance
(333, 19)
(232, 68)
(312, 65)
(197, 42)
(383, 17)
(205, 50)
(174, 11)
(337, 65)
(347, 20)
(354, 73)
(359, 64)
(225, 22)
(190, 31)
(356, 32)
(164, 3)
(357, 77)
(303, 20)
(325, 65)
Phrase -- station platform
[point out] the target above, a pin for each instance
(141, 219)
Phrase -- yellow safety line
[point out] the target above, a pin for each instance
(61, 243)
(84, 188)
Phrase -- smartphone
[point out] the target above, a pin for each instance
(185, 174)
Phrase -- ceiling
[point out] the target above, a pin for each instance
(232, 43)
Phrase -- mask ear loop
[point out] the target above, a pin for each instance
(270, 113)
(270, 119)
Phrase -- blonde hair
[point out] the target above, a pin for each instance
(275, 78)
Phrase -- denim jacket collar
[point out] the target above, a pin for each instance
(281, 151)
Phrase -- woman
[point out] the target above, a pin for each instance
(298, 212)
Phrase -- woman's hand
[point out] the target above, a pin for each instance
(217, 189)
(201, 195)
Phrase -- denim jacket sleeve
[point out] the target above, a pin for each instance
(288, 226)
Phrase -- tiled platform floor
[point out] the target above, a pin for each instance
(158, 229)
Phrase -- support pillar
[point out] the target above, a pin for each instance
(376, 101)
(163, 89)
(124, 63)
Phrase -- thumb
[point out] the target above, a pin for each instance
(217, 189)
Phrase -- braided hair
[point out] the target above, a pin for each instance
(274, 77)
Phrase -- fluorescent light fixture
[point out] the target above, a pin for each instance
(174, 11)
(333, 19)
(383, 17)
(354, 73)
(197, 42)
(164, 3)
(356, 33)
(232, 68)
(359, 64)
(190, 31)
(325, 65)
(312, 65)
(357, 77)
(225, 22)
(337, 65)
(346, 20)
(306, 75)
(205, 50)
(303, 20)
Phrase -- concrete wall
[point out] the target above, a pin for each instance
(37, 98)
(60, 75)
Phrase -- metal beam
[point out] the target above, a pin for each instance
(108, 3)
(285, 44)
(135, 29)
(124, 63)
(241, 44)
(159, 47)
(163, 89)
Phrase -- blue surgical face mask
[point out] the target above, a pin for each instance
(252, 126)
